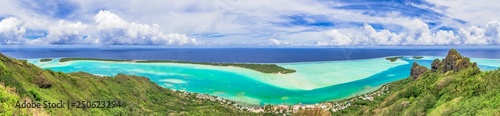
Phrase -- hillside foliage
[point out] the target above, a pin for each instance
(139, 96)
(455, 86)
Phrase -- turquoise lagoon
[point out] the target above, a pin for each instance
(313, 82)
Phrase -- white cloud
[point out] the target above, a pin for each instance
(275, 41)
(476, 12)
(339, 38)
(415, 33)
(69, 33)
(109, 29)
(107, 20)
(446, 38)
(31, 19)
(159, 22)
(114, 30)
(11, 31)
(246, 20)
(383, 37)
(473, 36)
(493, 32)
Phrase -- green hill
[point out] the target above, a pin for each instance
(453, 86)
(130, 95)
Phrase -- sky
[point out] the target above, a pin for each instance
(268, 23)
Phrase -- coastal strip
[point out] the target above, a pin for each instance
(326, 107)
(264, 68)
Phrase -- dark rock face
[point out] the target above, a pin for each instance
(417, 70)
(450, 60)
(454, 61)
(42, 82)
(435, 65)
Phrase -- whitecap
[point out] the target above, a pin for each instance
(176, 81)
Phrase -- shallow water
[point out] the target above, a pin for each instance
(312, 83)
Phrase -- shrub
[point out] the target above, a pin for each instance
(35, 95)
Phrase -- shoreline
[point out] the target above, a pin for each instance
(272, 79)
(325, 102)
(251, 73)
(330, 105)
(308, 78)
(260, 67)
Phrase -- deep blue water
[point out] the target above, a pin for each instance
(250, 55)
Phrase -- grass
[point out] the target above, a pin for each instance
(139, 95)
(8, 97)
(264, 68)
(392, 59)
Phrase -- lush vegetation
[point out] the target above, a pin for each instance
(264, 68)
(21, 80)
(8, 97)
(392, 59)
(417, 57)
(45, 59)
(467, 91)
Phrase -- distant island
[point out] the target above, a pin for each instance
(264, 68)
(393, 59)
(417, 57)
(45, 59)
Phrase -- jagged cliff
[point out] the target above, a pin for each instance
(452, 86)
(417, 70)
(453, 62)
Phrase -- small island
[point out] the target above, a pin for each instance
(417, 57)
(264, 68)
(392, 59)
(45, 59)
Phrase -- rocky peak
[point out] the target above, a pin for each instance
(42, 82)
(435, 65)
(453, 61)
(417, 70)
